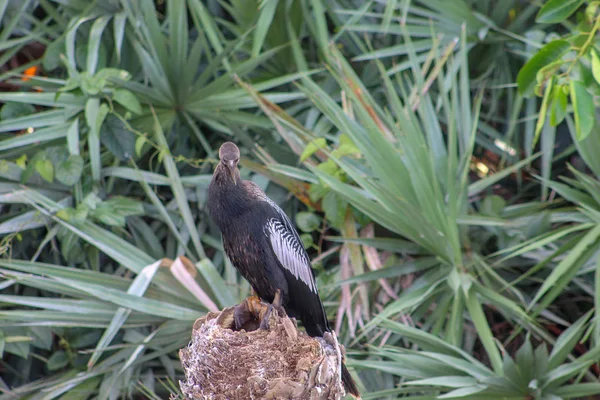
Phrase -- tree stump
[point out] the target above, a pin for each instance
(282, 362)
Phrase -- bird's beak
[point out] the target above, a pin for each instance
(232, 166)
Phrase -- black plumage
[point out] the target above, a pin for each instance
(264, 246)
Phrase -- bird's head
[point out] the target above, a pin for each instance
(229, 154)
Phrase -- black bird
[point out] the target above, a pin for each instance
(263, 245)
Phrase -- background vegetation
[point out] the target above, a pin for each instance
(440, 159)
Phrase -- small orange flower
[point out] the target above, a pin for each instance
(29, 72)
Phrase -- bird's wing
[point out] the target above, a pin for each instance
(285, 241)
(289, 250)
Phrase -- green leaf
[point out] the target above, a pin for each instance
(12, 110)
(313, 147)
(83, 390)
(527, 77)
(45, 169)
(565, 268)
(113, 211)
(463, 392)
(307, 221)
(543, 110)
(69, 172)
(555, 11)
(335, 208)
(91, 84)
(578, 390)
(567, 341)
(595, 65)
(117, 138)
(307, 240)
(267, 12)
(138, 288)
(525, 360)
(128, 100)
(558, 107)
(583, 107)
(18, 345)
(51, 60)
(483, 330)
(103, 111)
(224, 294)
(57, 361)
(92, 115)
(140, 141)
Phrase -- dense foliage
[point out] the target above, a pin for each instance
(439, 158)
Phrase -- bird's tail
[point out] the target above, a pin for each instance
(349, 383)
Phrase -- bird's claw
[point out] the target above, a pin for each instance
(276, 304)
(264, 323)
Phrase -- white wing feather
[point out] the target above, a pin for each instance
(289, 252)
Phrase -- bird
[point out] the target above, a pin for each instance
(262, 244)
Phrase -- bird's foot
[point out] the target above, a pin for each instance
(276, 304)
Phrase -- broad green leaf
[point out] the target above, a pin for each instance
(335, 208)
(117, 138)
(57, 360)
(128, 100)
(555, 11)
(583, 108)
(11, 110)
(69, 172)
(527, 77)
(307, 221)
(45, 169)
(558, 106)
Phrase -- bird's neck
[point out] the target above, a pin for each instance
(229, 199)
